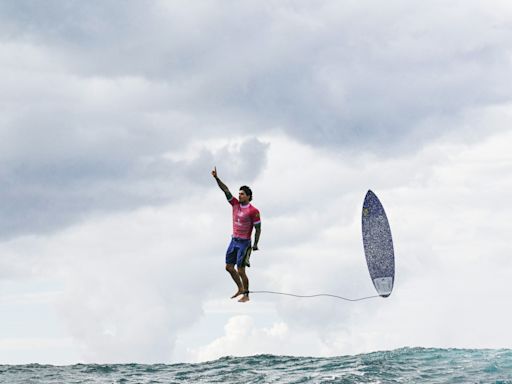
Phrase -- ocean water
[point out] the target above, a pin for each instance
(405, 365)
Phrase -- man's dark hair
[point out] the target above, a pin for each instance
(247, 191)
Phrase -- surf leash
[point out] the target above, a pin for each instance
(316, 295)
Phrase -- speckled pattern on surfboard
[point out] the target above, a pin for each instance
(378, 245)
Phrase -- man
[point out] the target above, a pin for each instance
(245, 216)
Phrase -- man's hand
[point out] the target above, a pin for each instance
(255, 247)
(214, 172)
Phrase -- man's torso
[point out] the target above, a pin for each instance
(244, 218)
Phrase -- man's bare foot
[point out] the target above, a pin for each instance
(244, 299)
(237, 294)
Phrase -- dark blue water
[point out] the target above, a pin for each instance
(406, 365)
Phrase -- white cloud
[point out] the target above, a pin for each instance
(242, 337)
(112, 117)
(130, 281)
(450, 231)
(134, 282)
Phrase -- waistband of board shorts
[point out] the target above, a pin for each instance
(239, 239)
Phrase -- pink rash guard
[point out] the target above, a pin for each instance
(244, 218)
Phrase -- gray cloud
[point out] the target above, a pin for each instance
(42, 195)
(102, 90)
(103, 103)
(328, 74)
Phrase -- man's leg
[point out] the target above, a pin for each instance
(245, 282)
(236, 278)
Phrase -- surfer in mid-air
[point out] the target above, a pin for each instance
(245, 217)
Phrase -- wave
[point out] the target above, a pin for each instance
(404, 365)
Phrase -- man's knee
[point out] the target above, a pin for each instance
(230, 268)
(241, 271)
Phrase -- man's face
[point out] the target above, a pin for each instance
(242, 197)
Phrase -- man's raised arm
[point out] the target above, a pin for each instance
(222, 186)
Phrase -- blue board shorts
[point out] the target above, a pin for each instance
(239, 252)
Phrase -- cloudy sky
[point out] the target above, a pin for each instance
(113, 232)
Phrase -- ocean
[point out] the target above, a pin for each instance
(405, 365)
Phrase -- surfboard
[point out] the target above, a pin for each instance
(378, 245)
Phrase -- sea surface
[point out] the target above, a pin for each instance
(405, 365)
